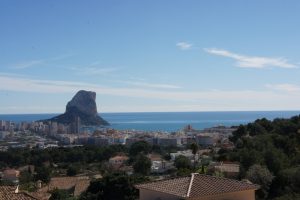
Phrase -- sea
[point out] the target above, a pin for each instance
(169, 121)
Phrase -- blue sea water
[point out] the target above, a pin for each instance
(170, 121)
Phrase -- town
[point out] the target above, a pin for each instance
(42, 135)
(53, 134)
(43, 161)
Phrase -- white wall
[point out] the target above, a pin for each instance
(244, 195)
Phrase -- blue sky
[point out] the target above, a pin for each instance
(150, 55)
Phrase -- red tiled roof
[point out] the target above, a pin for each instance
(79, 184)
(197, 186)
(177, 186)
(228, 167)
(8, 193)
(119, 158)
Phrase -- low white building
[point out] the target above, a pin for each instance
(186, 153)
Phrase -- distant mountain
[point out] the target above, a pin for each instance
(82, 107)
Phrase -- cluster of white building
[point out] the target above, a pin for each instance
(74, 134)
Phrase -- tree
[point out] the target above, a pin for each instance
(57, 194)
(182, 162)
(43, 174)
(194, 147)
(275, 160)
(184, 172)
(116, 186)
(25, 177)
(261, 176)
(142, 165)
(72, 171)
(139, 147)
(240, 132)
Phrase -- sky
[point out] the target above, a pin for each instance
(150, 56)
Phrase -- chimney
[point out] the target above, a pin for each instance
(17, 190)
(39, 184)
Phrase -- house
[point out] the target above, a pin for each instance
(11, 176)
(75, 185)
(205, 140)
(158, 164)
(197, 187)
(13, 193)
(117, 161)
(168, 141)
(187, 153)
(29, 168)
(229, 169)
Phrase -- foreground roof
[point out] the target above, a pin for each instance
(12, 193)
(198, 185)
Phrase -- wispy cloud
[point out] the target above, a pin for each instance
(252, 61)
(284, 87)
(267, 99)
(39, 62)
(152, 85)
(61, 57)
(184, 45)
(94, 70)
(27, 64)
(11, 83)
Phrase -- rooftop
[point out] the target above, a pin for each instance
(76, 184)
(119, 158)
(198, 185)
(12, 193)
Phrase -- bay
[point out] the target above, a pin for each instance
(169, 121)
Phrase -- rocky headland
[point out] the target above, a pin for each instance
(82, 107)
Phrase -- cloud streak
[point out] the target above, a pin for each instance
(152, 85)
(94, 70)
(252, 61)
(184, 45)
(39, 62)
(20, 84)
(271, 98)
(28, 64)
(286, 87)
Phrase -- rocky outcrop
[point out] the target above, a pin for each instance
(82, 107)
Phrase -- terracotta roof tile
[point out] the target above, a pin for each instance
(197, 186)
(8, 193)
(204, 185)
(177, 186)
(78, 184)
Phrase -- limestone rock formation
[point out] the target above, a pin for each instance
(83, 107)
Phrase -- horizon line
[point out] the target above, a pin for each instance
(211, 111)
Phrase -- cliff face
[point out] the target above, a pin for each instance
(82, 106)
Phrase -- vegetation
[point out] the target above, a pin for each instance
(139, 147)
(194, 147)
(262, 176)
(269, 149)
(116, 186)
(72, 171)
(57, 194)
(142, 165)
(43, 174)
(38, 157)
(182, 162)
